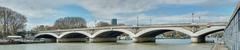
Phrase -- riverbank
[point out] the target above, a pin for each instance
(218, 46)
(19, 41)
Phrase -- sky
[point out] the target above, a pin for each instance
(46, 12)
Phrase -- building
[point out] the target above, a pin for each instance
(114, 22)
(232, 31)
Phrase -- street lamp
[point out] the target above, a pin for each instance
(150, 20)
(137, 21)
(192, 18)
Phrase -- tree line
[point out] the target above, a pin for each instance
(70, 23)
(11, 22)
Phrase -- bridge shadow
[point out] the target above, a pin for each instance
(163, 36)
(46, 38)
(73, 37)
(110, 36)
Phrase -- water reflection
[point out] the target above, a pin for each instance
(173, 41)
(170, 44)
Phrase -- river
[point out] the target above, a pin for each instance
(167, 44)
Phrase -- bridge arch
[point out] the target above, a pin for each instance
(46, 35)
(199, 36)
(110, 35)
(173, 29)
(78, 32)
(131, 34)
(208, 31)
(149, 35)
(74, 36)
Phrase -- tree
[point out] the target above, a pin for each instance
(27, 34)
(121, 24)
(11, 22)
(32, 32)
(102, 24)
(43, 28)
(70, 23)
(22, 33)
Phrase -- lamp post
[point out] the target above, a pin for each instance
(194, 25)
(137, 21)
(193, 18)
(150, 20)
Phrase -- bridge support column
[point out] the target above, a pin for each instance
(144, 39)
(57, 40)
(97, 40)
(197, 39)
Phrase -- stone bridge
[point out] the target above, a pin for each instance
(146, 33)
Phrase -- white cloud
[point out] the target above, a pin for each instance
(33, 8)
(103, 8)
(125, 10)
(113, 7)
(47, 8)
(205, 16)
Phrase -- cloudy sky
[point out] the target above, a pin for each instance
(45, 12)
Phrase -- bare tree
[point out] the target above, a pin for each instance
(70, 23)
(43, 28)
(11, 22)
(102, 24)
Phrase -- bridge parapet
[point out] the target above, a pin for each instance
(134, 30)
(183, 25)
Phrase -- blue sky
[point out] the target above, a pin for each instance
(45, 12)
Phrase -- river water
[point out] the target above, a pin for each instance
(168, 44)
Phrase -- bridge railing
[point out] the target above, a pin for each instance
(154, 25)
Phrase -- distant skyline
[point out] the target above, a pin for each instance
(45, 12)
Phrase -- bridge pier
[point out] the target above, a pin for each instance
(197, 39)
(144, 39)
(98, 40)
(57, 40)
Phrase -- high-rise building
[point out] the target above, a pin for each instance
(114, 22)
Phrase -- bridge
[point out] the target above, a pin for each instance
(146, 33)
